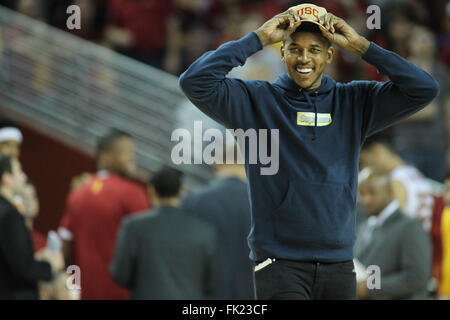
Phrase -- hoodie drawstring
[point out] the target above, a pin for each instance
(308, 98)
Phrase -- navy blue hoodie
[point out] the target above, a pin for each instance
(306, 211)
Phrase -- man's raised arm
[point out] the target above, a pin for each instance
(205, 82)
(409, 89)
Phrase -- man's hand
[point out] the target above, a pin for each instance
(339, 32)
(278, 28)
(56, 259)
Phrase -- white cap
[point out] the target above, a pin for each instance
(309, 12)
(10, 133)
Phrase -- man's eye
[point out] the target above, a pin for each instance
(315, 50)
(294, 50)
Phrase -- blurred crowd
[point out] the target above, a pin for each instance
(120, 237)
(116, 229)
(171, 34)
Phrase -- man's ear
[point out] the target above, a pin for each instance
(330, 54)
(282, 52)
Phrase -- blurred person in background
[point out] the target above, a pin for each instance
(188, 34)
(224, 204)
(200, 25)
(397, 30)
(392, 241)
(20, 271)
(30, 211)
(26, 198)
(444, 283)
(423, 138)
(80, 180)
(444, 36)
(165, 253)
(264, 65)
(410, 188)
(94, 211)
(397, 20)
(27, 203)
(137, 29)
(418, 195)
(56, 289)
(10, 138)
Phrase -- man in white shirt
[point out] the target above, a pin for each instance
(391, 241)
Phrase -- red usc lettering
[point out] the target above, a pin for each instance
(308, 11)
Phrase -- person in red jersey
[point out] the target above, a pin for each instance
(94, 212)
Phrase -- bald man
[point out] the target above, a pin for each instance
(392, 241)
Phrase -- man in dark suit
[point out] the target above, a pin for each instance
(165, 253)
(19, 271)
(224, 204)
(392, 241)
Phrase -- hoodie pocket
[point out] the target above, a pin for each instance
(315, 216)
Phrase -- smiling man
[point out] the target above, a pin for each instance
(303, 217)
(306, 53)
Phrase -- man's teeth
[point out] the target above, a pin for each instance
(304, 70)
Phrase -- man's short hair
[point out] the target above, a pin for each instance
(8, 123)
(5, 165)
(312, 28)
(167, 182)
(106, 142)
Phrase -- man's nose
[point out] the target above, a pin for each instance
(304, 57)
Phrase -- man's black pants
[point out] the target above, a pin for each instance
(295, 280)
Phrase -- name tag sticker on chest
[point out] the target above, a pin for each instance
(308, 119)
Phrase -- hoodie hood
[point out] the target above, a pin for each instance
(327, 84)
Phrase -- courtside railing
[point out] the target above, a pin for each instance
(77, 90)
